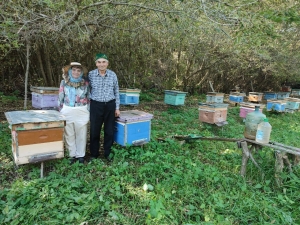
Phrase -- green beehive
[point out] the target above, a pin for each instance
(173, 97)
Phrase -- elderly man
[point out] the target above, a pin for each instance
(104, 106)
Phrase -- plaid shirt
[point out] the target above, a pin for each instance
(104, 88)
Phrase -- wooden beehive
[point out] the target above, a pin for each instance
(44, 97)
(286, 88)
(255, 97)
(37, 135)
(213, 113)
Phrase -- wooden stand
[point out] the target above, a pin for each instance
(282, 153)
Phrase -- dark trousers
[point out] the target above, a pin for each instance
(102, 113)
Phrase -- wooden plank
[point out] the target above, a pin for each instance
(30, 137)
(33, 126)
(25, 160)
(36, 149)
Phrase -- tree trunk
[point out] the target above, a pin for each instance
(26, 73)
(39, 57)
(48, 67)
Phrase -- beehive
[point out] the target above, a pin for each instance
(295, 92)
(37, 135)
(129, 96)
(292, 103)
(214, 97)
(255, 97)
(247, 107)
(236, 97)
(276, 105)
(270, 95)
(282, 95)
(173, 97)
(213, 113)
(44, 97)
(133, 127)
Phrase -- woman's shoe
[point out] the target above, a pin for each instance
(72, 160)
(80, 160)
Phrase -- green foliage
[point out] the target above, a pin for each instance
(162, 182)
(9, 98)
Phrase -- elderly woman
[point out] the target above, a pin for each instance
(74, 105)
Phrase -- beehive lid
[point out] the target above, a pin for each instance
(255, 93)
(175, 92)
(277, 101)
(133, 115)
(292, 99)
(283, 92)
(128, 90)
(44, 90)
(237, 94)
(215, 93)
(212, 105)
(33, 116)
(251, 105)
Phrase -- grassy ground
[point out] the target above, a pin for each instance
(162, 182)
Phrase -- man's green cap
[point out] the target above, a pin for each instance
(101, 56)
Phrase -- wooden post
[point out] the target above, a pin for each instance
(278, 167)
(245, 158)
(211, 86)
(42, 169)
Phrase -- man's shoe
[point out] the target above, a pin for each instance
(92, 159)
(109, 159)
(80, 160)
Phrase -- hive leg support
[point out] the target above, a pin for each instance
(42, 169)
(287, 161)
(296, 160)
(278, 167)
(245, 158)
(247, 153)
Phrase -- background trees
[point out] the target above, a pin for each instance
(163, 44)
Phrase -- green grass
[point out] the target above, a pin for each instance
(193, 183)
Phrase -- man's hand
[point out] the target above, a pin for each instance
(117, 113)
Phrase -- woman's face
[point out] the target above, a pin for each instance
(76, 71)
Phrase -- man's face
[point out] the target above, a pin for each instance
(101, 64)
(76, 71)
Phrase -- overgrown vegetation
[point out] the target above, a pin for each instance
(152, 43)
(162, 182)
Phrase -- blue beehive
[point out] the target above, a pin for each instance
(214, 97)
(276, 105)
(295, 92)
(173, 97)
(283, 95)
(292, 103)
(235, 98)
(129, 96)
(133, 127)
(270, 95)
